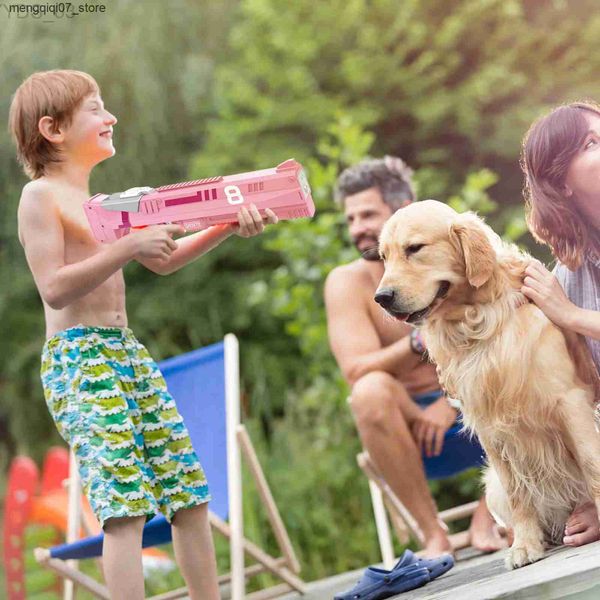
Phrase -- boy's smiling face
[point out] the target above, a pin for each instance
(90, 133)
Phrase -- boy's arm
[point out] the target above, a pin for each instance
(188, 249)
(352, 335)
(250, 223)
(41, 233)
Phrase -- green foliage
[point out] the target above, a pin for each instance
(204, 88)
(39, 582)
(450, 86)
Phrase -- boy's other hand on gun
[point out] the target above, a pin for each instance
(155, 241)
(250, 222)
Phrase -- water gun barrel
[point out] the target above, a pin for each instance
(202, 203)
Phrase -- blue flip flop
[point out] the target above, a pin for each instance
(436, 566)
(377, 584)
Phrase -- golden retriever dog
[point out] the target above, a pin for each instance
(527, 388)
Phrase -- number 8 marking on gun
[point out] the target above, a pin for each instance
(234, 194)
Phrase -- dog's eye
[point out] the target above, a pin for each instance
(414, 248)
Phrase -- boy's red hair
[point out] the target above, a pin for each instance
(55, 94)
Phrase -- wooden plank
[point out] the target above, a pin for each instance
(564, 571)
(325, 589)
(77, 577)
(260, 555)
(384, 535)
(181, 592)
(250, 571)
(458, 512)
(398, 523)
(367, 465)
(285, 545)
(273, 592)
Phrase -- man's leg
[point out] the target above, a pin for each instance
(383, 411)
(122, 558)
(484, 533)
(194, 551)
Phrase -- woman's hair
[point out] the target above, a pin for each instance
(548, 149)
(55, 94)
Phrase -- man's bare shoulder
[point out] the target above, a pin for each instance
(354, 271)
(347, 279)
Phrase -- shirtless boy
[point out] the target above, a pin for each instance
(104, 391)
(398, 406)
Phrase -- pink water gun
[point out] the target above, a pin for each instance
(199, 204)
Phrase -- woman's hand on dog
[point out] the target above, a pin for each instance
(543, 288)
(431, 424)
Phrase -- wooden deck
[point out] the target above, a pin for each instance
(571, 573)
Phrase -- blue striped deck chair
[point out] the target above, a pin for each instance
(459, 454)
(205, 386)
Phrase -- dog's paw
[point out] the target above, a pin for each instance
(521, 555)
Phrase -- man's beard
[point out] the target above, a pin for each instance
(370, 253)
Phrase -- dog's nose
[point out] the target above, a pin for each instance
(385, 297)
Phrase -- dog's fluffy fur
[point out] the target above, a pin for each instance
(527, 388)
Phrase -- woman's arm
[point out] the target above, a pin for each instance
(543, 288)
(586, 322)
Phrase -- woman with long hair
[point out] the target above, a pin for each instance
(561, 162)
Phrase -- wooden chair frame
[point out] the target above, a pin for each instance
(385, 502)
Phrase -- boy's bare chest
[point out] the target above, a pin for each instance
(79, 241)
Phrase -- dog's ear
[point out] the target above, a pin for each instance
(469, 237)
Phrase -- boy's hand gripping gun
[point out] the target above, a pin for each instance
(199, 204)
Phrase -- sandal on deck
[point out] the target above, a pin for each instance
(436, 566)
(377, 584)
(409, 572)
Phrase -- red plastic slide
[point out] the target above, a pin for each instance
(50, 507)
(22, 485)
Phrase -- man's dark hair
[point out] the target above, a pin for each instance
(389, 174)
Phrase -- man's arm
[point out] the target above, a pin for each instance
(352, 335)
(42, 236)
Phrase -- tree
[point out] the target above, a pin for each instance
(448, 86)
